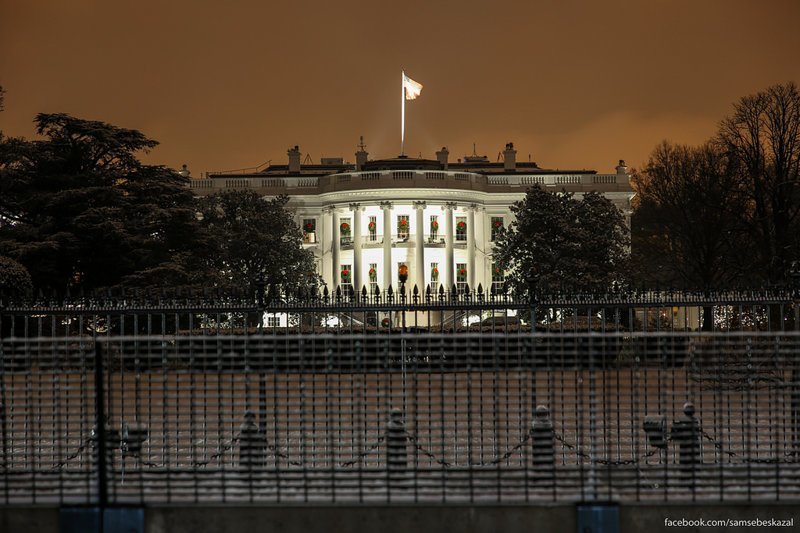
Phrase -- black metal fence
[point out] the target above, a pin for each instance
(459, 399)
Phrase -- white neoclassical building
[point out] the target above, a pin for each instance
(364, 221)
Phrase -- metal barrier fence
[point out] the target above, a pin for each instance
(273, 311)
(595, 399)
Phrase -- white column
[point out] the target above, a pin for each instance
(387, 244)
(335, 244)
(482, 250)
(471, 246)
(322, 240)
(419, 249)
(357, 282)
(449, 267)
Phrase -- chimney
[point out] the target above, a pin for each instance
(622, 168)
(361, 155)
(294, 159)
(441, 156)
(509, 158)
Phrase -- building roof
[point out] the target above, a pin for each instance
(403, 163)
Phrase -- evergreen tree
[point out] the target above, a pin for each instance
(252, 237)
(78, 209)
(563, 242)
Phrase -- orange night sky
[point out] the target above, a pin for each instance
(230, 85)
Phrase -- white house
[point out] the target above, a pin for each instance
(438, 218)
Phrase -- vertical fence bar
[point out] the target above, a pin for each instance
(100, 424)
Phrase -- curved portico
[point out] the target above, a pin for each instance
(439, 219)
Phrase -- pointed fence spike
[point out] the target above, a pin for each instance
(415, 291)
(480, 288)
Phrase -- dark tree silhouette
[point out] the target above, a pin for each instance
(563, 242)
(252, 236)
(687, 229)
(78, 209)
(762, 136)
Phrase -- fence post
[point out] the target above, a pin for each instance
(100, 424)
(396, 454)
(543, 445)
(794, 277)
(251, 443)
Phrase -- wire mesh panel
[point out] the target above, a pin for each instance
(376, 414)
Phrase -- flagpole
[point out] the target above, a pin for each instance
(402, 111)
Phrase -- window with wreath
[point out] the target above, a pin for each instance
(309, 230)
(372, 275)
(402, 226)
(461, 276)
(498, 278)
(461, 228)
(434, 233)
(497, 227)
(346, 275)
(345, 231)
(434, 277)
(372, 229)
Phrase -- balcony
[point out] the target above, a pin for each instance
(419, 179)
(436, 240)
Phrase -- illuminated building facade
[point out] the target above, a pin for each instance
(438, 218)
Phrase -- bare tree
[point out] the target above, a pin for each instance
(762, 137)
(686, 226)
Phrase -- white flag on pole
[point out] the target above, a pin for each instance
(412, 88)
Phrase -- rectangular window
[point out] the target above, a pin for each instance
(402, 226)
(346, 275)
(497, 226)
(461, 276)
(273, 321)
(434, 234)
(372, 275)
(345, 231)
(372, 229)
(461, 228)
(309, 230)
(434, 278)
(498, 278)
